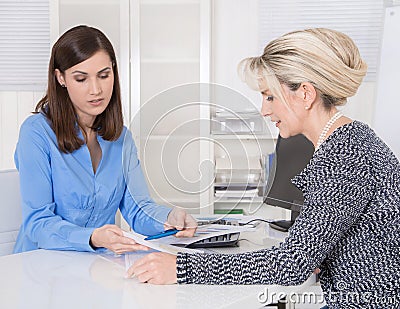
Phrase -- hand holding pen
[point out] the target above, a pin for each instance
(162, 234)
(181, 221)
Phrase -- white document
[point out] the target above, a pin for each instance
(156, 244)
(203, 232)
(166, 244)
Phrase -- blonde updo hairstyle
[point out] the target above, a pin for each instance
(327, 59)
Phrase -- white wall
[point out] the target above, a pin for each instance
(112, 18)
(386, 116)
(102, 14)
(235, 37)
(14, 108)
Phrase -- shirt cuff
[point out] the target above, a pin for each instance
(80, 239)
(181, 268)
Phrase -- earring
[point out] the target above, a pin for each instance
(307, 107)
(63, 85)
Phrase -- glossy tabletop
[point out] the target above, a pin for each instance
(66, 279)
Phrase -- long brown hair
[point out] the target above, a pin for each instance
(74, 46)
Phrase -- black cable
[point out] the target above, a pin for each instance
(262, 220)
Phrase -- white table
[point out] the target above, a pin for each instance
(66, 279)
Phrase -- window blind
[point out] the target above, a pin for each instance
(24, 44)
(362, 20)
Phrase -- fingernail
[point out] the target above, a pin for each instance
(126, 276)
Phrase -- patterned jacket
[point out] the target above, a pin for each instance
(349, 227)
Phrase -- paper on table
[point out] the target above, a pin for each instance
(165, 244)
(203, 232)
(157, 245)
(132, 257)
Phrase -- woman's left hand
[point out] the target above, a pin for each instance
(182, 221)
(155, 268)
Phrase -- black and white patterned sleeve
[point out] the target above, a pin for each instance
(337, 189)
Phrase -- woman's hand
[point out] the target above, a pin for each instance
(111, 237)
(182, 221)
(155, 268)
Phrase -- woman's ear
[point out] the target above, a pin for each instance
(60, 77)
(307, 93)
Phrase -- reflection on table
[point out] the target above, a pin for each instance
(66, 279)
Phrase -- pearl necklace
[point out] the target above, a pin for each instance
(327, 127)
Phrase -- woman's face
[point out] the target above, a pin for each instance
(89, 85)
(288, 118)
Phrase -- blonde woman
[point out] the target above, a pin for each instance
(349, 226)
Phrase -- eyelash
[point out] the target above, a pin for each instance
(269, 98)
(101, 77)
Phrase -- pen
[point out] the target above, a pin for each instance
(162, 234)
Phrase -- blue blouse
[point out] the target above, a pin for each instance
(63, 200)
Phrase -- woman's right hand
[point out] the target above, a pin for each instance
(111, 237)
